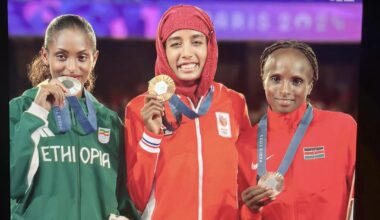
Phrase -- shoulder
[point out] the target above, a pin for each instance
(25, 99)
(103, 112)
(247, 139)
(136, 103)
(223, 90)
(334, 118)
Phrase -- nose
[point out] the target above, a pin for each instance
(186, 51)
(285, 87)
(71, 65)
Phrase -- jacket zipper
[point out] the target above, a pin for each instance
(76, 142)
(200, 160)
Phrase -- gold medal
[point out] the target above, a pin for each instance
(273, 180)
(161, 86)
(73, 85)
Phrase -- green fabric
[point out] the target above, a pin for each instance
(77, 178)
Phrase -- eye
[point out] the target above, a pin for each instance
(82, 57)
(197, 42)
(297, 81)
(175, 44)
(60, 56)
(275, 78)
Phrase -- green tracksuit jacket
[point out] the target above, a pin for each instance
(70, 176)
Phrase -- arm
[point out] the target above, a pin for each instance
(351, 156)
(25, 128)
(142, 150)
(248, 193)
(350, 177)
(243, 116)
(125, 205)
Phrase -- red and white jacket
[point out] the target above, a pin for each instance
(318, 181)
(191, 173)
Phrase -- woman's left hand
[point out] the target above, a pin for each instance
(256, 197)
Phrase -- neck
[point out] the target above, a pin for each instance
(80, 93)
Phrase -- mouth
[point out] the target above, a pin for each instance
(78, 77)
(284, 101)
(188, 67)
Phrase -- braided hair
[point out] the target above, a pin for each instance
(300, 46)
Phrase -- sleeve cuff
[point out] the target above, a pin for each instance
(150, 142)
(38, 111)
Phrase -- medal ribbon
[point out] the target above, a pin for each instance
(62, 118)
(178, 107)
(292, 148)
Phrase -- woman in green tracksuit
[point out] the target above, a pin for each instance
(66, 148)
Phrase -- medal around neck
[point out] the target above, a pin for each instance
(272, 180)
(161, 86)
(73, 85)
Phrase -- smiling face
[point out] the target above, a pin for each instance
(70, 53)
(186, 52)
(287, 79)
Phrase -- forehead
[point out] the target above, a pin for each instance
(71, 37)
(287, 56)
(186, 33)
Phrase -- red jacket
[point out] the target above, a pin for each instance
(192, 173)
(318, 181)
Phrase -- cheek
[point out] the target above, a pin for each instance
(302, 92)
(170, 56)
(86, 67)
(203, 55)
(56, 67)
(268, 88)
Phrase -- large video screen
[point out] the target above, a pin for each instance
(313, 21)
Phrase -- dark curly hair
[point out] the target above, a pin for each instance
(38, 71)
(300, 46)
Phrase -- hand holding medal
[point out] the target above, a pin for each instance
(61, 114)
(161, 86)
(73, 85)
(273, 181)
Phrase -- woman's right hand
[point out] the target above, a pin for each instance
(256, 197)
(52, 93)
(152, 113)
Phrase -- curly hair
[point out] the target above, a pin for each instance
(300, 46)
(38, 71)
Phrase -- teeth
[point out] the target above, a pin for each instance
(189, 66)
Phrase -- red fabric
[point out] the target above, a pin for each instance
(187, 17)
(315, 188)
(172, 177)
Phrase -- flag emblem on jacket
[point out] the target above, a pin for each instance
(104, 135)
(311, 153)
(223, 124)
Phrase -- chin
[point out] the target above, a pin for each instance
(190, 77)
(284, 110)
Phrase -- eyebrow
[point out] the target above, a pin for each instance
(82, 51)
(194, 36)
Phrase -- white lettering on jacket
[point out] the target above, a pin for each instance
(87, 155)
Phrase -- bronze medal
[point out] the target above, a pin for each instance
(273, 180)
(161, 86)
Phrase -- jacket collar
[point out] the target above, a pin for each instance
(288, 121)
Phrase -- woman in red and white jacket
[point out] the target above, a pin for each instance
(188, 171)
(309, 153)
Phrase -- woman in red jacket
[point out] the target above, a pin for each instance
(182, 158)
(298, 161)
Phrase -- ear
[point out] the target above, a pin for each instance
(310, 88)
(44, 55)
(96, 54)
